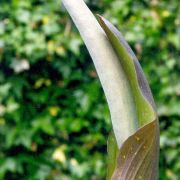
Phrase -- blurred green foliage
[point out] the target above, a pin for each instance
(54, 119)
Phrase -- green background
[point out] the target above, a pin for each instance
(54, 119)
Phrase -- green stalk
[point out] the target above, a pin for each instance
(111, 74)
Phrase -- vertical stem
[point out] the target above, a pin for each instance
(112, 77)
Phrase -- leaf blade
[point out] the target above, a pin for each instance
(135, 156)
(142, 95)
(142, 159)
(113, 151)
